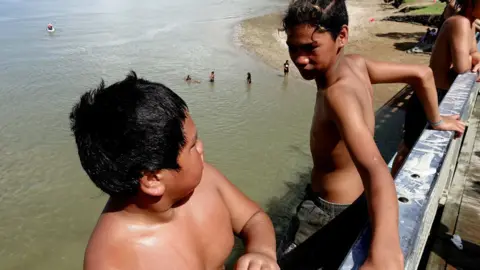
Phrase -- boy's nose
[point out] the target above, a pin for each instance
(302, 60)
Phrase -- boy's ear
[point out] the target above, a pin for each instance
(152, 183)
(342, 38)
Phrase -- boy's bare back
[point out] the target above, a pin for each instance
(199, 235)
(335, 176)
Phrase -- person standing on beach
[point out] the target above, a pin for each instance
(212, 76)
(346, 160)
(455, 52)
(249, 78)
(167, 207)
(286, 68)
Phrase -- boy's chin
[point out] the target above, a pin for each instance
(308, 75)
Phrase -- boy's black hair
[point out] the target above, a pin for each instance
(125, 129)
(325, 15)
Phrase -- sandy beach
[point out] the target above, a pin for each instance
(377, 39)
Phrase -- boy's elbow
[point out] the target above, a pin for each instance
(258, 220)
(424, 75)
(462, 66)
(374, 168)
(459, 69)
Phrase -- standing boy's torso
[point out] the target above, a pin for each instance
(334, 175)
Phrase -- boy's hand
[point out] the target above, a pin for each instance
(256, 261)
(384, 259)
(451, 123)
(476, 64)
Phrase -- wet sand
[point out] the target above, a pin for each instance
(378, 40)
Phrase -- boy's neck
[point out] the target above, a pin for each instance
(330, 76)
(149, 211)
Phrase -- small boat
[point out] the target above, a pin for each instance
(50, 28)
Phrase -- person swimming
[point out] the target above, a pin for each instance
(212, 76)
(50, 27)
(189, 79)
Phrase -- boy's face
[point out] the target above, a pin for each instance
(312, 51)
(190, 159)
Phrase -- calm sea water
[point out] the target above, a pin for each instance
(257, 135)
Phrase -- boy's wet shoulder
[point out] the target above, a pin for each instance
(458, 21)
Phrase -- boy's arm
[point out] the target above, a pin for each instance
(248, 219)
(421, 79)
(474, 54)
(418, 76)
(346, 112)
(473, 47)
(460, 40)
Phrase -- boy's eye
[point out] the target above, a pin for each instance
(307, 48)
(303, 48)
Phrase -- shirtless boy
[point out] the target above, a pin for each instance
(168, 209)
(455, 52)
(345, 157)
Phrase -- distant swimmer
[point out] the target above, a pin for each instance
(249, 78)
(50, 28)
(212, 76)
(189, 79)
(286, 68)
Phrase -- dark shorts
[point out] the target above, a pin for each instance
(415, 119)
(312, 214)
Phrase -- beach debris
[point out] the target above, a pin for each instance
(457, 241)
(426, 42)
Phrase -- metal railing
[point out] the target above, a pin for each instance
(424, 178)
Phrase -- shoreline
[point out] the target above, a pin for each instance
(378, 40)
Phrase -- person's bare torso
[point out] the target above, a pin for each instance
(199, 237)
(441, 59)
(334, 175)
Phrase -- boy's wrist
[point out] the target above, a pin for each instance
(385, 234)
(391, 242)
(264, 251)
(436, 123)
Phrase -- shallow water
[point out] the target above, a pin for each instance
(257, 135)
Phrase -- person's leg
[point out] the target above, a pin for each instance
(415, 122)
(312, 214)
(402, 153)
